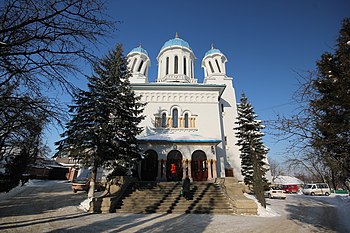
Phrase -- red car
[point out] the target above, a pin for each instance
(290, 188)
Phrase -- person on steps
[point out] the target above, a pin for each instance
(186, 188)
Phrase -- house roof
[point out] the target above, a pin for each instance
(284, 180)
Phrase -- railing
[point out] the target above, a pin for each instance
(177, 78)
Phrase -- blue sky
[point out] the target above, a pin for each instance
(265, 42)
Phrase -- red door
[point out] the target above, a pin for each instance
(174, 166)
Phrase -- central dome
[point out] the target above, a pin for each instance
(176, 42)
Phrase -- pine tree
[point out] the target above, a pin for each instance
(253, 151)
(105, 119)
(331, 106)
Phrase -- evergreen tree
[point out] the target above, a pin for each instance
(331, 106)
(253, 151)
(105, 119)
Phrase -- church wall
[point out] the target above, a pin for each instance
(203, 106)
(229, 117)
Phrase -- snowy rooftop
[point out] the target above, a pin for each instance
(283, 180)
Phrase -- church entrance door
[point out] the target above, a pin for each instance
(174, 166)
(199, 167)
(149, 166)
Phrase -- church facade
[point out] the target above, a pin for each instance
(188, 128)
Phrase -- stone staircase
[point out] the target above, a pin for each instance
(164, 197)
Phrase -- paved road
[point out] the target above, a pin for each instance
(50, 206)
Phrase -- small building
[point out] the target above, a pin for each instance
(290, 184)
(45, 168)
(71, 165)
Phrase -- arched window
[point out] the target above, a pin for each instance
(176, 65)
(133, 65)
(163, 120)
(211, 67)
(217, 63)
(140, 66)
(175, 118)
(185, 72)
(186, 120)
(167, 66)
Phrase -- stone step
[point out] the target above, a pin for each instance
(164, 208)
(171, 190)
(153, 194)
(146, 197)
(175, 205)
(136, 199)
(175, 211)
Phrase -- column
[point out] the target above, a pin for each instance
(159, 171)
(214, 169)
(210, 173)
(160, 69)
(184, 166)
(189, 170)
(144, 66)
(164, 170)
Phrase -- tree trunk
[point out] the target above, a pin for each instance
(257, 182)
(92, 182)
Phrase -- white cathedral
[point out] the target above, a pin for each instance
(188, 128)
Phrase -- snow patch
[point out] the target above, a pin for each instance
(85, 205)
(13, 192)
(31, 183)
(262, 212)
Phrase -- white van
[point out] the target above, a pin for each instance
(316, 189)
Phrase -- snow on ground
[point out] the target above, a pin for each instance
(262, 212)
(85, 205)
(342, 203)
(17, 190)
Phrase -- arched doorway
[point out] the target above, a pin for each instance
(149, 166)
(199, 167)
(174, 166)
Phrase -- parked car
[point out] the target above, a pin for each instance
(275, 192)
(290, 188)
(83, 184)
(316, 189)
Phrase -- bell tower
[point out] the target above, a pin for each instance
(138, 64)
(214, 64)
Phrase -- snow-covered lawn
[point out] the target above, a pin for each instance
(19, 189)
